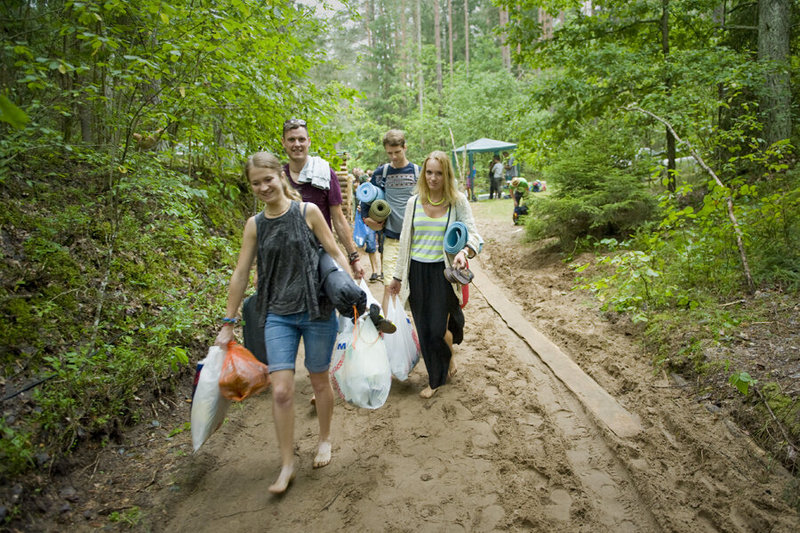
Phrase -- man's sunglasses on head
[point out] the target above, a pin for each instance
(294, 123)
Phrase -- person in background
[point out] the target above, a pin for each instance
(284, 240)
(519, 188)
(510, 166)
(316, 181)
(470, 183)
(496, 184)
(419, 275)
(397, 180)
(373, 244)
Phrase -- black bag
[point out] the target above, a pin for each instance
(339, 287)
(253, 329)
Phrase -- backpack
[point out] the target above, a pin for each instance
(386, 171)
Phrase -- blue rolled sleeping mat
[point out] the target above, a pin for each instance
(455, 237)
(368, 193)
(379, 210)
(340, 288)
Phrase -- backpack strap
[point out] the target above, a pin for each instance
(416, 171)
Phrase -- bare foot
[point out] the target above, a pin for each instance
(284, 478)
(453, 370)
(323, 457)
(427, 392)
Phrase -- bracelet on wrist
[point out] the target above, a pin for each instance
(232, 321)
(353, 257)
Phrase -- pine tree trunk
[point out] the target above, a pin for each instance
(404, 43)
(774, 24)
(370, 7)
(668, 84)
(437, 28)
(419, 64)
(450, 35)
(466, 36)
(505, 50)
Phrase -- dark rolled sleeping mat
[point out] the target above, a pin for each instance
(340, 288)
(253, 329)
(379, 210)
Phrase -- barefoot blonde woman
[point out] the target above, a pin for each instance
(283, 238)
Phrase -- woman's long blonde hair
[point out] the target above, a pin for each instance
(449, 186)
(269, 161)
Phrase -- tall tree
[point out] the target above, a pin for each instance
(466, 36)
(505, 48)
(774, 24)
(450, 35)
(404, 41)
(668, 87)
(420, 72)
(437, 30)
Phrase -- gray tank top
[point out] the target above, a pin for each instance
(288, 260)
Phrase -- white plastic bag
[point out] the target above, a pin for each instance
(343, 340)
(365, 376)
(370, 298)
(208, 406)
(402, 346)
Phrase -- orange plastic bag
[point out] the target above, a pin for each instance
(242, 374)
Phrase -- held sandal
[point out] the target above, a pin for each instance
(458, 275)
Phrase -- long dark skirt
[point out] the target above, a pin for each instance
(435, 309)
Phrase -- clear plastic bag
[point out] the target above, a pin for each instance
(365, 376)
(343, 340)
(242, 375)
(402, 346)
(370, 298)
(208, 406)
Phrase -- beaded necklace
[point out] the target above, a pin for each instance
(435, 203)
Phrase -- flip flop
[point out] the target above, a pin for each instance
(449, 275)
(458, 275)
(464, 276)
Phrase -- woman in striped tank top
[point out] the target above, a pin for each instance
(419, 276)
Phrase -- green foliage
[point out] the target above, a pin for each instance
(11, 113)
(600, 192)
(16, 450)
(742, 381)
(210, 77)
(129, 517)
(131, 248)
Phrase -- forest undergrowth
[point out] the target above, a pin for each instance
(110, 277)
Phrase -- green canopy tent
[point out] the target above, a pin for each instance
(481, 145)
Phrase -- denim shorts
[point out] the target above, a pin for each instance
(282, 334)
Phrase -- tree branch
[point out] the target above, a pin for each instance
(775, 418)
(729, 197)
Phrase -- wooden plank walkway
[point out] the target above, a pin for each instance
(595, 398)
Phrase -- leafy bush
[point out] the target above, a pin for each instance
(108, 279)
(600, 189)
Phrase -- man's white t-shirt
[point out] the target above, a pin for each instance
(497, 170)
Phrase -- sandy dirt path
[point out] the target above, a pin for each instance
(507, 446)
